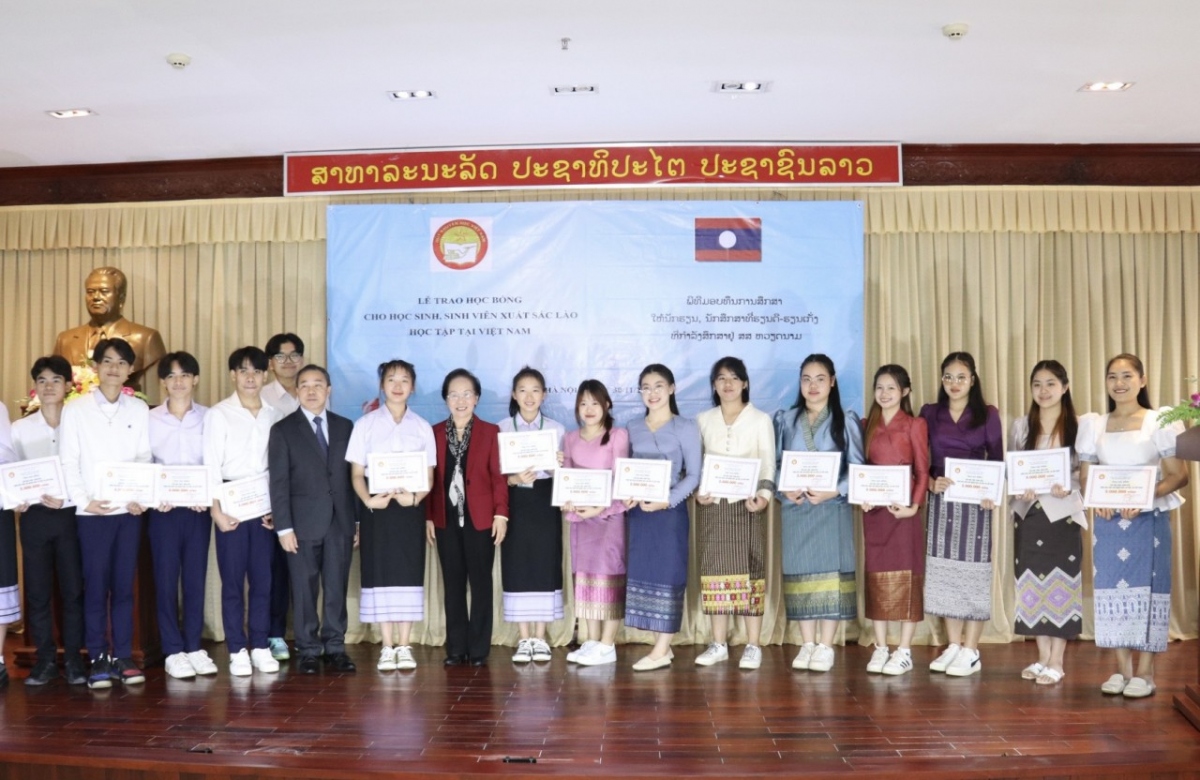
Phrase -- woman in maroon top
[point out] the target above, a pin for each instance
(894, 536)
(958, 561)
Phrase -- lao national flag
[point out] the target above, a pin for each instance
(728, 239)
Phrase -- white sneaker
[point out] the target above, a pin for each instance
(541, 650)
(751, 657)
(822, 659)
(965, 664)
(404, 658)
(387, 659)
(574, 656)
(239, 664)
(878, 659)
(524, 652)
(202, 663)
(598, 655)
(940, 663)
(179, 667)
(804, 657)
(263, 661)
(715, 653)
(899, 663)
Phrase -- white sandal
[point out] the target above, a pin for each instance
(1114, 685)
(1032, 672)
(1049, 676)
(1138, 688)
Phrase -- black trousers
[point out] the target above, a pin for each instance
(467, 556)
(50, 547)
(320, 566)
(281, 593)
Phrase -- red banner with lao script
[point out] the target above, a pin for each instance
(618, 165)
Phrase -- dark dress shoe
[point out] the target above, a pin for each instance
(477, 662)
(74, 671)
(455, 660)
(340, 662)
(42, 674)
(309, 664)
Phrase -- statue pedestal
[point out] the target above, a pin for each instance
(1187, 447)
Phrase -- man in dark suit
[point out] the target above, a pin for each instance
(313, 507)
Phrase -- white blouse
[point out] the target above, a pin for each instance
(1145, 446)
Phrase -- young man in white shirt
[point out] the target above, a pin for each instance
(236, 433)
(286, 351)
(106, 426)
(50, 535)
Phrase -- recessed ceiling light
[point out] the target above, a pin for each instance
(412, 94)
(1106, 86)
(575, 89)
(71, 113)
(743, 87)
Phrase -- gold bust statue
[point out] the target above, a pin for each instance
(104, 296)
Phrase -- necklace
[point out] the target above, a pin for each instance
(116, 410)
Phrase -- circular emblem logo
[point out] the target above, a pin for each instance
(460, 244)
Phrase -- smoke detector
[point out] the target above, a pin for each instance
(178, 61)
(956, 31)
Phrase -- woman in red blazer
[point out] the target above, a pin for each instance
(466, 516)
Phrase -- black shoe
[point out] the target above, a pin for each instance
(455, 660)
(477, 662)
(340, 662)
(74, 671)
(101, 676)
(309, 664)
(3, 675)
(43, 673)
(124, 670)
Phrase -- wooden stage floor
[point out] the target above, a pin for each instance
(609, 721)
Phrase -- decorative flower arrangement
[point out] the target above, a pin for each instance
(1188, 411)
(83, 381)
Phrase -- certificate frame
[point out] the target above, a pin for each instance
(897, 482)
(630, 475)
(1020, 462)
(139, 491)
(561, 492)
(512, 443)
(963, 493)
(163, 474)
(243, 510)
(714, 483)
(378, 485)
(1095, 496)
(797, 469)
(12, 472)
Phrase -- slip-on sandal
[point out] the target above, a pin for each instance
(1114, 685)
(1049, 676)
(1138, 688)
(648, 664)
(1032, 672)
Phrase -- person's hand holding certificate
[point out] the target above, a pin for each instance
(390, 472)
(809, 471)
(639, 479)
(1038, 470)
(246, 499)
(528, 450)
(730, 478)
(881, 485)
(974, 481)
(122, 484)
(1121, 487)
(25, 482)
(582, 487)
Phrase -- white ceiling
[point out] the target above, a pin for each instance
(271, 76)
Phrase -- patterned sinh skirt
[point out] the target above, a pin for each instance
(958, 560)
(1132, 584)
(531, 556)
(732, 543)
(894, 560)
(818, 561)
(10, 596)
(657, 573)
(392, 556)
(1046, 564)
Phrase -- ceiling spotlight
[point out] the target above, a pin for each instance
(575, 89)
(742, 86)
(71, 113)
(412, 94)
(1106, 86)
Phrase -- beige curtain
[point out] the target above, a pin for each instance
(1010, 274)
